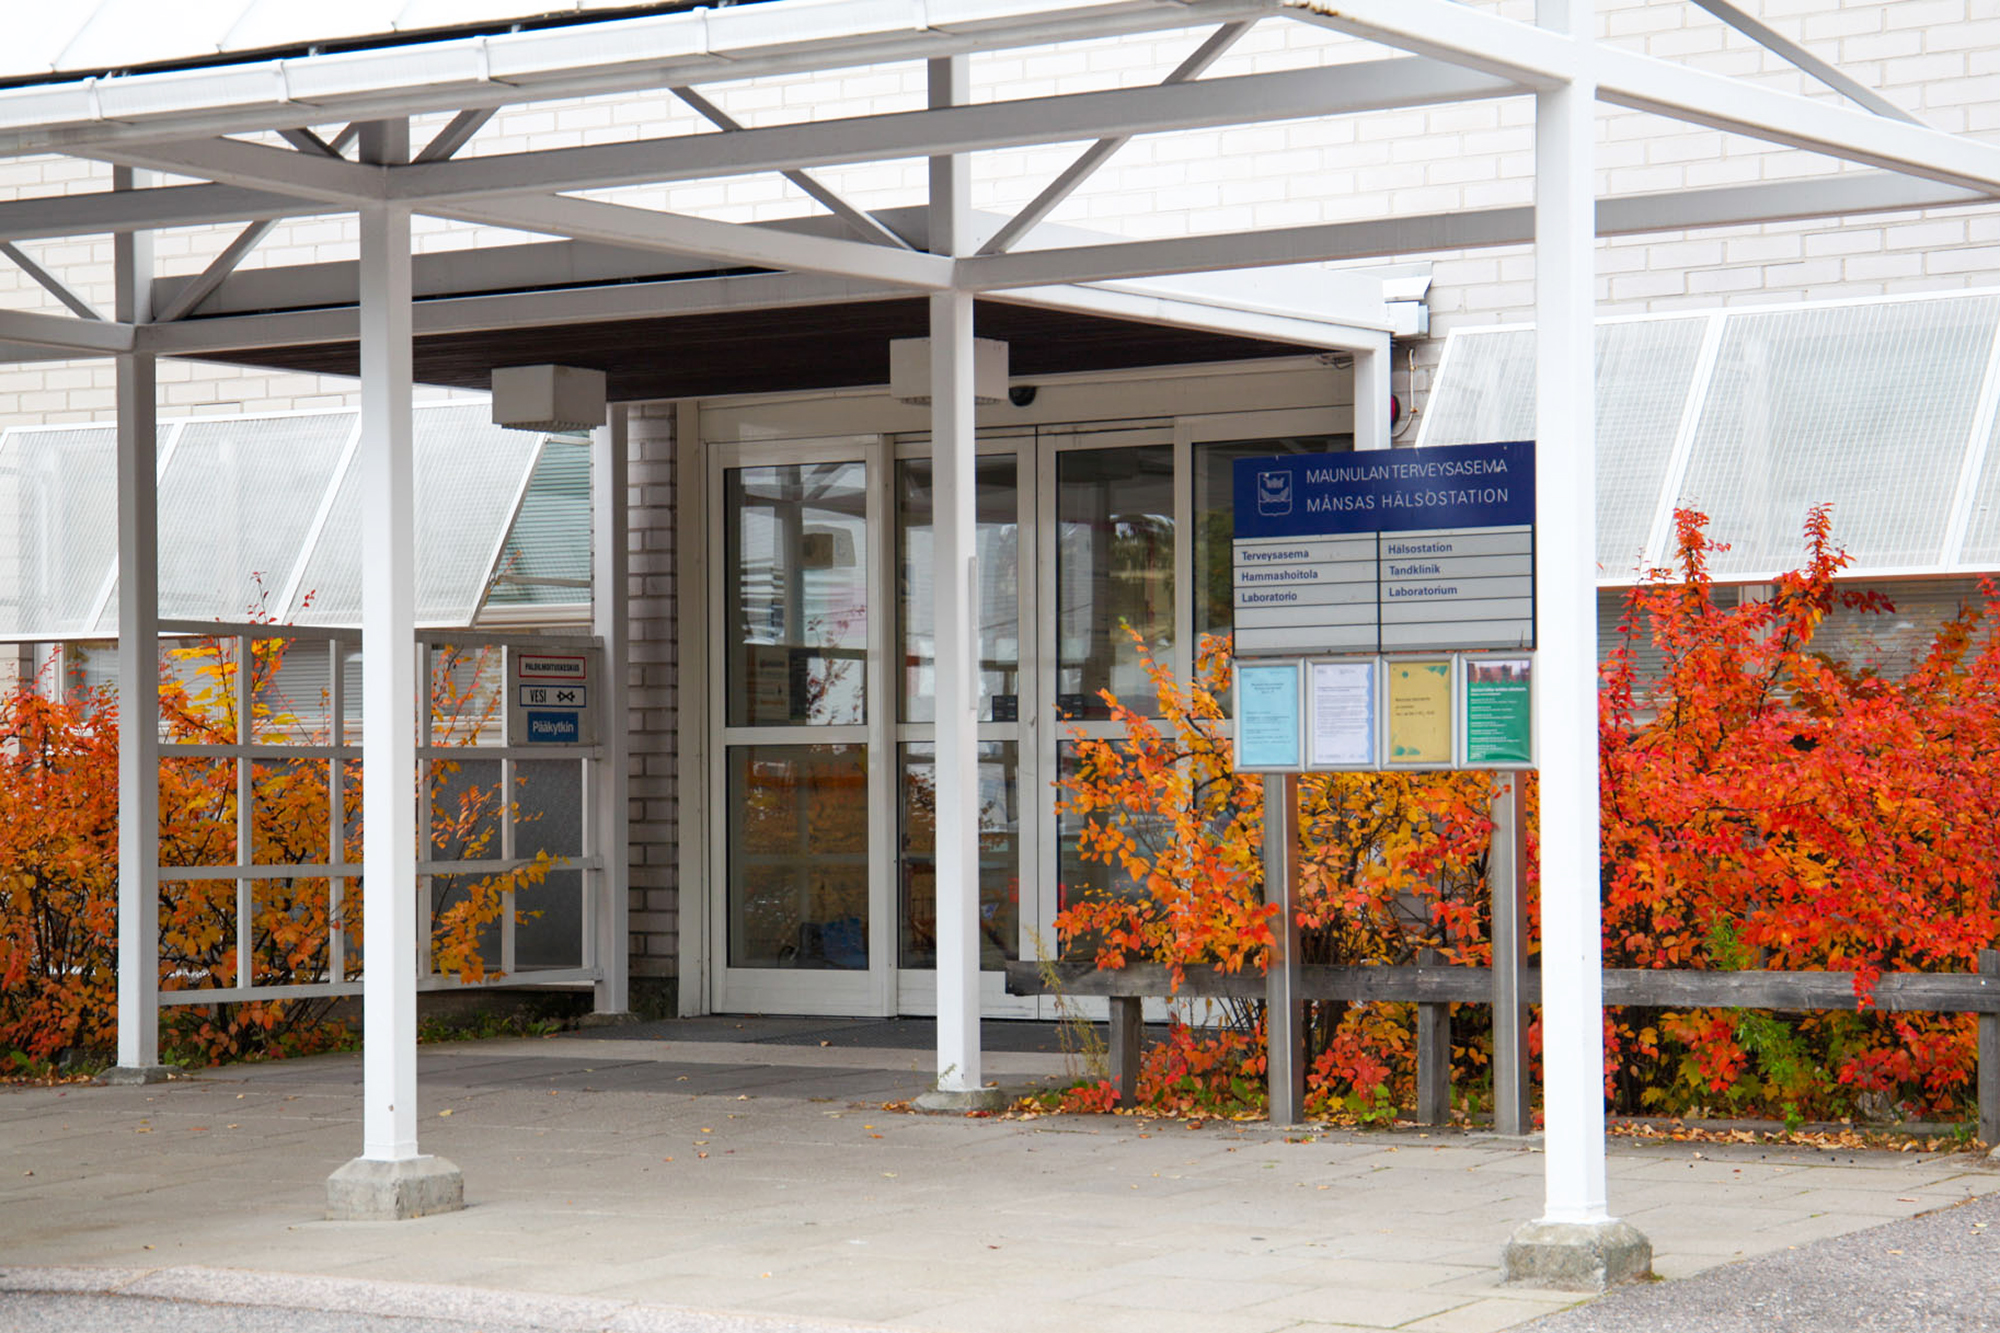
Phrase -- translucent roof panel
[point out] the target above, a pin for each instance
(1866, 407)
(58, 528)
(1652, 362)
(237, 502)
(1485, 391)
(546, 561)
(1982, 530)
(469, 478)
(1644, 367)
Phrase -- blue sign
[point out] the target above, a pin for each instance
(553, 728)
(1267, 716)
(1389, 490)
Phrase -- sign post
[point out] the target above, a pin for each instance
(1385, 619)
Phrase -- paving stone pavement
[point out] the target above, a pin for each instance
(666, 1180)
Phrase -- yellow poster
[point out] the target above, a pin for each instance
(1420, 711)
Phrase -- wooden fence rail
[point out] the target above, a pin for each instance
(1433, 986)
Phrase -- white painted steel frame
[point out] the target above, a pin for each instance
(916, 988)
(138, 667)
(694, 47)
(1566, 632)
(1561, 61)
(955, 602)
(606, 780)
(389, 679)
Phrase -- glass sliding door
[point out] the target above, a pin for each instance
(797, 586)
(1114, 574)
(1135, 564)
(1006, 816)
(1110, 569)
(1096, 549)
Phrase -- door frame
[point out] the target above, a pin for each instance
(861, 992)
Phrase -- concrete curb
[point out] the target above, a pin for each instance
(473, 1307)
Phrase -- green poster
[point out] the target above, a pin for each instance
(1498, 716)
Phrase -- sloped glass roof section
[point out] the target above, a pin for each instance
(58, 500)
(235, 510)
(543, 562)
(1884, 409)
(1982, 519)
(260, 515)
(470, 477)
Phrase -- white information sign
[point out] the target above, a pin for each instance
(1343, 714)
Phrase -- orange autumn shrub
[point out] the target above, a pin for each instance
(59, 865)
(1391, 864)
(1767, 807)
(1763, 806)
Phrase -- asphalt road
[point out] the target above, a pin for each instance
(1937, 1273)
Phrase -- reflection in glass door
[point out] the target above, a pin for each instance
(795, 578)
(1005, 822)
(1136, 565)
(1112, 565)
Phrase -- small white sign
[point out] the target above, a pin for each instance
(1342, 712)
(546, 666)
(553, 696)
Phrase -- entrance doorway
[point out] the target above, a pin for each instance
(821, 730)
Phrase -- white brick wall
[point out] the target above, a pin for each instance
(652, 681)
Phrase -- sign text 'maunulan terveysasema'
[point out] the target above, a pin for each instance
(1405, 549)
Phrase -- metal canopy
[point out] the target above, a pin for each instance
(824, 346)
(731, 329)
(263, 138)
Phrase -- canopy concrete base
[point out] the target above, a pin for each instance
(1577, 1256)
(975, 1099)
(366, 1190)
(129, 1075)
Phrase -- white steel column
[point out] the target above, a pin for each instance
(1371, 396)
(389, 1180)
(1566, 604)
(138, 673)
(955, 582)
(389, 684)
(609, 603)
(1575, 1243)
